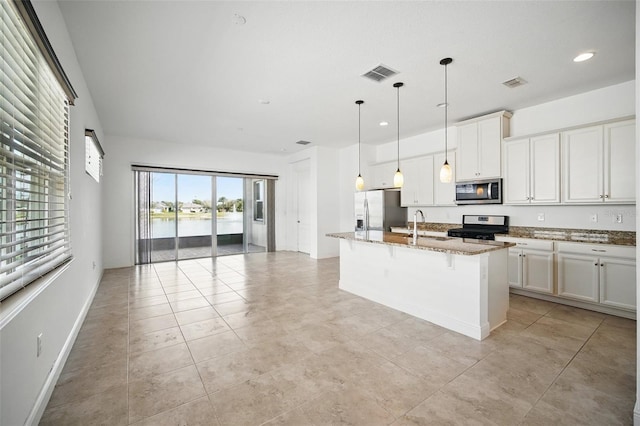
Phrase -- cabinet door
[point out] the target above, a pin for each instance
(418, 182)
(619, 162)
(444, 194)
(537, 271)
(382, 175)
(583, 163)
(545, 169)
(578, 277)
(516, 172)
(618, 282)
(409, 192)
(489, 147)
(467, 152)
(515, 268)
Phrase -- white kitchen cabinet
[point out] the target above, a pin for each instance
(598, 273)
(418, 182)
(599, 164)
(531, 265)
(532, 170)
(619, 161)
(444, 194)
(479, 146)
(381, 175)
(578, 276)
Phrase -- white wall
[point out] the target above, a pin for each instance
(118, 224)
(26, 380)
(597, 105)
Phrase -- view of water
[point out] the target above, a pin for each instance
(230, 223)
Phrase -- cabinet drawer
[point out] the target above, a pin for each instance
(598, 250)
(526, 243)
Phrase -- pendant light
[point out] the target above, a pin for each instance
(359, 180)
(398, 179)
(445, 170)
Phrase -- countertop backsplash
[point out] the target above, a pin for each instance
(625, 238)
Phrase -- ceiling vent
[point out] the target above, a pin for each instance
(380, 73)
(303, 142)
(515, 82)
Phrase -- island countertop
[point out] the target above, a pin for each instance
(462, 246)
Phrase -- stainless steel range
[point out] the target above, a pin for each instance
(481, 227)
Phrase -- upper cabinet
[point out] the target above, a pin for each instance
(532, 170)
(599, 163)
(418, 182)
(479, 146)
(381, 175)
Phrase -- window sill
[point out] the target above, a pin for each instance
(14, 304)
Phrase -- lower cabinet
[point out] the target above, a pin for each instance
(531, 265)
(598, 273)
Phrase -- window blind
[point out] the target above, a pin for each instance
(93, 155)
(34, 159)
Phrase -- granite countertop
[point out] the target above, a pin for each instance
(463, 246)
(622, 238)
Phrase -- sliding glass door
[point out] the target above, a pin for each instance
(176, 217)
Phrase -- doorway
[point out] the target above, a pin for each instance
(301, 207)
(195, 215)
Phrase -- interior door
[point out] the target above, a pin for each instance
(302, 206)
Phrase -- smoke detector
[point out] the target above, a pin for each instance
(380, 73)
(515, 82)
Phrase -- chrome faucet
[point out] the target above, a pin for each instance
(366, 215)
(415, 225)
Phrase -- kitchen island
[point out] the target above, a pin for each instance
(459, 284)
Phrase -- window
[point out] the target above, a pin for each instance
(93, 155)
(34, 156)
(258, 200)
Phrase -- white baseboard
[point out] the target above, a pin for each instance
(50, 383)
(636, 413)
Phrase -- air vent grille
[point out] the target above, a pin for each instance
(303, 142)
(380, 73)
(515, 82)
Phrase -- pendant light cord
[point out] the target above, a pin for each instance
(359, 105)
(446, 109)
(398, 105)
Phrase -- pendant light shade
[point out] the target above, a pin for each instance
(445, 171)
(398, 179)
(359, 179)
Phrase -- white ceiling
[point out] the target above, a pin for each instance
(185, 72)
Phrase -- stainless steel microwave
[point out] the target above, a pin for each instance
(487, 191)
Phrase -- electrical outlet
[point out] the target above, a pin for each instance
(594, 218)
(39, 345)
(541, 217)
(618, 218)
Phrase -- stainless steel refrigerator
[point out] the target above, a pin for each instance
(379, 208)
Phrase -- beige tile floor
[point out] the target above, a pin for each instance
(269, 339)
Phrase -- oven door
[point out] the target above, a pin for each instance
(487, 191)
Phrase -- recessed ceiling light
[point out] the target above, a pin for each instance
(441, 105)
(384, 123)
(239, 19)
(264, 101)
(583, 57)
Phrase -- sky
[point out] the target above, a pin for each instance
(192, 187)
